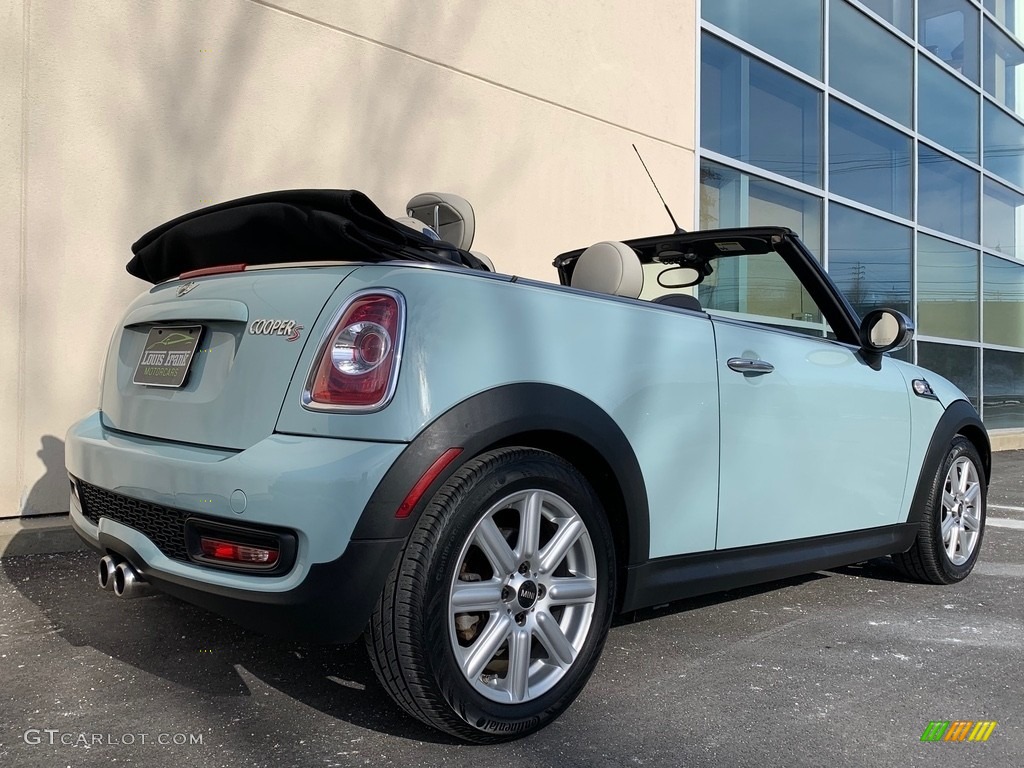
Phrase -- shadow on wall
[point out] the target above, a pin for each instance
(49, 495)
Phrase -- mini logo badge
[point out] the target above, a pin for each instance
(287, 328)
(183, 289)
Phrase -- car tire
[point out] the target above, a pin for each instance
(518, 538)
(953, 524)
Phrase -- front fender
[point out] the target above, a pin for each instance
(960, 418)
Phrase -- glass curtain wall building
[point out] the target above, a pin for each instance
(890, 135)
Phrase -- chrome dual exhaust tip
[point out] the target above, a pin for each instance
(128, 583)
(118, 576)
(105, 572)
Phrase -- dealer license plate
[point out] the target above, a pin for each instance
(167, 356)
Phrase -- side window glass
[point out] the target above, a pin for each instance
(761, 288)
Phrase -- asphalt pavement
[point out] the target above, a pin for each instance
(839, 668)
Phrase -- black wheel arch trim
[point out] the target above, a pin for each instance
(960, 418)
(499, 417)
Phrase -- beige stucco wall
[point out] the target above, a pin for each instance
(117, 115)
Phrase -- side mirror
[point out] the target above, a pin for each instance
(885, 330)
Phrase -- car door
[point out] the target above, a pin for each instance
(814, 436)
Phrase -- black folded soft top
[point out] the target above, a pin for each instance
(281, 227)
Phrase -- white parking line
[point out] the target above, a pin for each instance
(1003, 522)
(1008, 509)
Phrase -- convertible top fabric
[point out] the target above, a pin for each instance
(280, 227)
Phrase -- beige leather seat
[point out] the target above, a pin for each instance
(609, 267)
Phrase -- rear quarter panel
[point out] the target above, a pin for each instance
(651, 369)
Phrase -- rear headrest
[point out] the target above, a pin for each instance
(417, 225)
(449, 215)
(609, 267)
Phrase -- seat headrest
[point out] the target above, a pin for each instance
(609, 267)
(417, 225)
(449, 215)
(681, 300)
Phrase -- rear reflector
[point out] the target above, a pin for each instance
(414, 495)
(212, 271)
(238, 554)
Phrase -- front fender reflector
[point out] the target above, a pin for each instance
(425, 481)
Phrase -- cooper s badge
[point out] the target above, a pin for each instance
(288, 328)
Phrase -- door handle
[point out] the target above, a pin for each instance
(746, 365)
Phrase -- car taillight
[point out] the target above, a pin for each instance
(357, 367)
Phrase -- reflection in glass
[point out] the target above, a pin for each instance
(1004, 302)
(1003, 150)
(949, 29)
(762, 285)
(869, 63)
(940, 96)
(789, 30)
(896, 12)
(869, 259)
(1003, 74)
(958, 364)
(754, 112)
(729, 198)
(1004, 389)
(1009, 13)
(1004, 219)
(868, 161)
(947, 289)
(947, 194)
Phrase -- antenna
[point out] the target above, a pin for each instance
(679, 230)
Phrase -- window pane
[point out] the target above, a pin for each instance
(947, 194)
(869, 259)
(762, 286)
(1004, 69)
(756, 113)
(896, 12)
(868, 160)
(949, 29)
(940, 97)
(869, 63)
(1004, 219)
(1004, 302)
(729, 198)
(958, 364)
(1004, 389)
(1010, 13)
(947, 289)
(789, 30)
(1004, 145)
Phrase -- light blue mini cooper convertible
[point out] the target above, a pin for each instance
(327, 423)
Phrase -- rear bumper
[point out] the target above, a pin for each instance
(314, 487)
(332, 604)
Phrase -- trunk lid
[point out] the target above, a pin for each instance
(243, 362)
